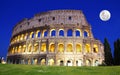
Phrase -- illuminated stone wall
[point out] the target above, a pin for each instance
(58, 37)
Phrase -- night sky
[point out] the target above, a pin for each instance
(12, 11)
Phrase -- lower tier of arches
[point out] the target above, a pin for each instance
(64, 60)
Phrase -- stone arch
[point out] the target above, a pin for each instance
(53, 32)
(29, 61)
(86, 34)
(69, 32)
(51, 62)
(43, 61)
(88, 62)
(19, 49)
(79, 62)
(32, 35)
(87, 48)
(60, 47)
(96, 63)
(30, 48)
(95, 48)
(61, 32)
(22, 37)
(13, 50)
(36, 46)
(69, 62)
(78, 47)
(45, 33)
(52, 47)
(24, 48)
(69, 47)
(78, 33)
(60, 62)
(35, 61)
(43, 47)
(38, 33)
(16, 49)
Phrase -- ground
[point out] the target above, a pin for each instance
(10, 69)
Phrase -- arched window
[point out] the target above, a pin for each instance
(53, 33)
(36, 47)
(19, 49)
(29, 48)
(88, 62)
(45, 33)
(43, 47)
(77, 33)
(70, 33)
(39, 34)
(69, 48)
(51, 62)
(87, 48)
(60, 47)
(78, 48)
(24, 48)
(95, 48)
(52, 48)
(32, 35)
(42, 62)
(61, 33)
(85, 34)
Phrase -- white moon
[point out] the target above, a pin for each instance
(104, 15)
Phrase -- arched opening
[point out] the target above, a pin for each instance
(78, 48)
(88, 62)
(22, 36)
(69, 63)
(16, 49)
(43, 47)
(85, 34)
(13, 50)
(35, 61)
(52, 48)
(45, 33)
(36, 47)
(19, 49)
(51, 62)
(24, 48)
(29, 48)
(87, 48)
(60, 62)
(69, 33)
(18, 38)
(95, 48)
(42, 62)
(69, 48)
(32, 35)
(61, 33)
(60, 47)
(79, 62)
(29, 61)
(96, 62)
(53, 33)
(39, 34)
(77, 33)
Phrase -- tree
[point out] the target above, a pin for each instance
(117, 52)
(107, 53)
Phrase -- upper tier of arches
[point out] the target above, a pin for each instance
(51, 33)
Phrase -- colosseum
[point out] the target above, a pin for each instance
(57, 37)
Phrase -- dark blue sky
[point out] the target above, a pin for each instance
(12, 11)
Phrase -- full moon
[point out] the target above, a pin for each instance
(104, 15)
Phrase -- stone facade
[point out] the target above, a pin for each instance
(58, 37)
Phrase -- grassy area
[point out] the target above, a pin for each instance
(9, 69)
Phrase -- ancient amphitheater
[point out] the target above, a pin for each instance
(57, 37)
